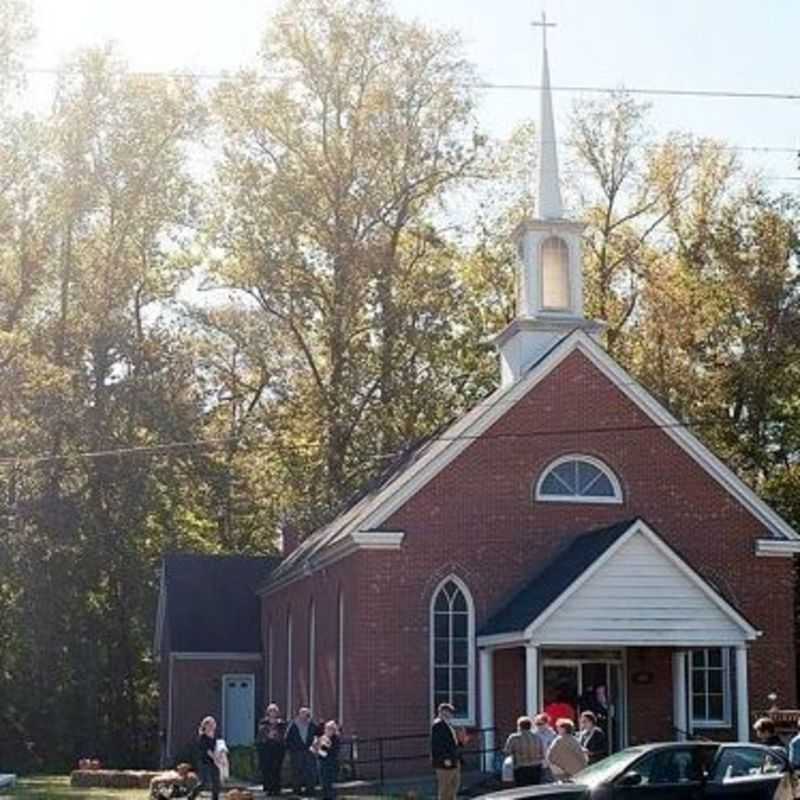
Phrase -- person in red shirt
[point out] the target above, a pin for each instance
(561, 708)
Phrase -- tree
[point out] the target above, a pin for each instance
(112, 371)
(325, 202)
(16, 34)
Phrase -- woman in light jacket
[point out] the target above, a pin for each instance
(565, 755)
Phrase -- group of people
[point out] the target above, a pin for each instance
(538, 752)
(313, 751)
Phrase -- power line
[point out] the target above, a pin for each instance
(484, 85)
(222, 441)
(706, 93)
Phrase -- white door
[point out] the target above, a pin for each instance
(238, 709)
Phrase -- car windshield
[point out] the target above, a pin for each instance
(609, 768)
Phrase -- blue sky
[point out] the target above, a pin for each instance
(683, 44)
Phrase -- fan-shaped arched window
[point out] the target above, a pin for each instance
(452, 648)
(578, 479)
(555, 274)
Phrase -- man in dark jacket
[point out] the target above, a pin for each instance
(446, 753)
(299, 738)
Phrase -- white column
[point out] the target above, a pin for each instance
(486, 667)
(679, 695)
(532, 679)
(742, 696)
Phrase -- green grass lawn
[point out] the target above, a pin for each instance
(56, 787)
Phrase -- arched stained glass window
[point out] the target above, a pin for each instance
(578, 479)
(453, 641)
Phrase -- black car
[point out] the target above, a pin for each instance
(674, 771)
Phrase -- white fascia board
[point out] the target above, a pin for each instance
(497, 641)
(357, 540)
(216, 656)
(672, 427)
(373, 512)
(639, 526)
(578, 582)
(463, 433)
(682, 436)
(378, 540)
(777, 548)
(303, 569)
(610, 644)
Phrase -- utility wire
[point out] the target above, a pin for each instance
(221, 441)
(488, 85)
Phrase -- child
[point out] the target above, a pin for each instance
(326, 748)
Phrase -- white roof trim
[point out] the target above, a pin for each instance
(357, 540)
(458, 438)
(680, 434)
(374, 510)
(641, 527)
(499, 640)
(378, 540)
(493, 409)
(777, 548)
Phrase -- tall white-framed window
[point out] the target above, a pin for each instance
(555, 274)
(312, 655)
(289, 666)
(453, 649)
(340, 659)
(710, 687)
(577, 478)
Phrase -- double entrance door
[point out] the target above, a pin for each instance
(573, 682)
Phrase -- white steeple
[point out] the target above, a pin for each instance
(548, 205)
(550, 280)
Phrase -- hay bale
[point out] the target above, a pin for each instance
(110, 779)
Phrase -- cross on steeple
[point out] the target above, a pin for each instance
(544, 25)
(548, 199)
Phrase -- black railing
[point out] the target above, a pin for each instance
(373, 757)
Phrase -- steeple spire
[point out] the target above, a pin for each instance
(550, 282)
(548, 205)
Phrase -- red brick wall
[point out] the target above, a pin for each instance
(509, 690)
(324, 588)
(650, 704)
(197, 692)
(477, 520)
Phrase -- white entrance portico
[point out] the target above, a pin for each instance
(610, 590)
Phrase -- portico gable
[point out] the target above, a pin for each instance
(617, 587)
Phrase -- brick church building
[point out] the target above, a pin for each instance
(567, 539)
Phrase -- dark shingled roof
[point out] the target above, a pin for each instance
(211, 602)
(553, 578)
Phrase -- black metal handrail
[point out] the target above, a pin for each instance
(381, 758)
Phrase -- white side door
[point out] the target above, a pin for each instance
(238, 709)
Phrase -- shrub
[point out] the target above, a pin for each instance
(244, 763)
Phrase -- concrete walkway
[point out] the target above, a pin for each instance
(420, 786)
